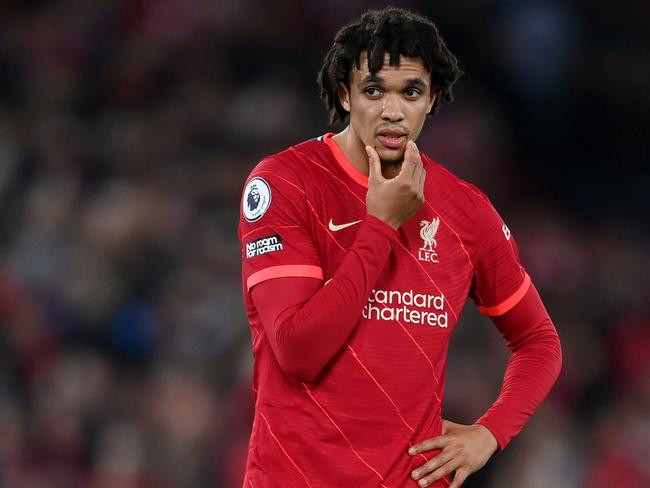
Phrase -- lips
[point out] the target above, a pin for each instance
(392, 140)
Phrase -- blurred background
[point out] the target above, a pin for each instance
(127, 129)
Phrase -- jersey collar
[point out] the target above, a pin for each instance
(352, 172)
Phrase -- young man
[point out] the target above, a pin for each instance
(359, 253)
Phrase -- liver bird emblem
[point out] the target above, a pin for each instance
(428, 233)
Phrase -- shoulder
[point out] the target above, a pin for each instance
(292, 162)
(464, 193)
(284, 178)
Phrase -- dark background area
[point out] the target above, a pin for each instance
(127, 130)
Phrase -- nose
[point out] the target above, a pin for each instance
(392, 109)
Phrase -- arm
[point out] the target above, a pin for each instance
(307, 323)
(533, 368)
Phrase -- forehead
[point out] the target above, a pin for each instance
(408, 67)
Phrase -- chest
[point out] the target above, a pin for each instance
(430, 255)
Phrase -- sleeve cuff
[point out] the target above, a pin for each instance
(380, 226)
(501, 440)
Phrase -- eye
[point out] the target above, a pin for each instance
(372, 92)
(412, 92)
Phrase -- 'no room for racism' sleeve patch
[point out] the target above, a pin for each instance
(263, 245)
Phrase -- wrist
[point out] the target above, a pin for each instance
(490, 439)
(381, 225)
(391, 223)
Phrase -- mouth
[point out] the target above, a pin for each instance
(392, 139)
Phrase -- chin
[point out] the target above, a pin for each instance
(391, 159)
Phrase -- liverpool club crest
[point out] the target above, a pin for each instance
(428, 232)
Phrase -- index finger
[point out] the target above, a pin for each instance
(411, 160)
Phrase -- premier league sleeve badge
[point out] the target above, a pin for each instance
(256, 200)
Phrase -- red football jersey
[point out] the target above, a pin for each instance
(383, 391)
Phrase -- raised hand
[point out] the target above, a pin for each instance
(464, 450)
(395, 200)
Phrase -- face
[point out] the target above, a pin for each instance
(388, 108)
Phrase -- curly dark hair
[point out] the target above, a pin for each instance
(391, 30)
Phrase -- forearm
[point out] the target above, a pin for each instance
(307, 324)
(532, 370)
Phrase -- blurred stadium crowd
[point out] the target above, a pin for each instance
(126, 132)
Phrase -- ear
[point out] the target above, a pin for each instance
(344, 97)
(433, 99)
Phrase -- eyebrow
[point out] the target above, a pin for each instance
(374, 78)
(417, 82)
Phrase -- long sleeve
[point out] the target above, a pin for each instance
(307, 323)
(532, 370)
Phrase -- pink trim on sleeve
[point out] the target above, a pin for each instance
(301, 270)
(510, 302)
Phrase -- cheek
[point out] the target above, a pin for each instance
(418, 114)
(363, 117)
(420, 108)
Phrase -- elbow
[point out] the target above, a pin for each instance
(302, 376)
(545, 345)
(558, 353)
(550, 345)
(300, 370)
(297, 357)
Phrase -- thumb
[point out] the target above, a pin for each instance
(447, 426)
(374, 165)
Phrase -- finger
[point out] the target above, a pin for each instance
(415, 154)
(374, 164)
(432, 464)
(439, 473)
(459, 478)
(409, 164)
(417, 180)
(423, 176)
(429, 445)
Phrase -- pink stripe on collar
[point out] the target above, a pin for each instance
(352, 172)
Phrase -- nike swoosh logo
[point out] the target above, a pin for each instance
(334, 228)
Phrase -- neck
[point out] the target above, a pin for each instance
(353, 149)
